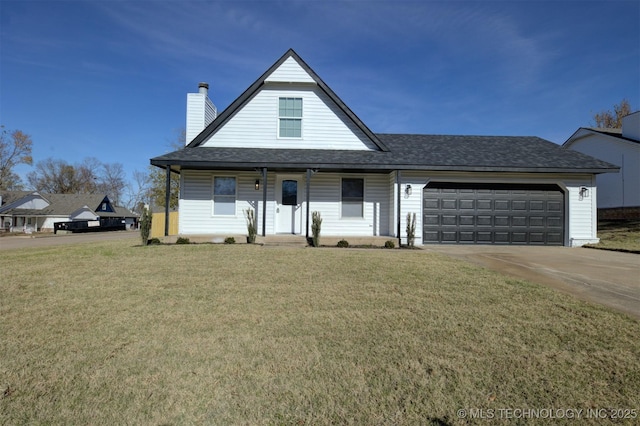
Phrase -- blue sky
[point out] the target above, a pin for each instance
(108, 79)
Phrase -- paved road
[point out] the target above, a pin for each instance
(605, 277)
(9, 243)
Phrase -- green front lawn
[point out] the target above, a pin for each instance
(621, 235)
(111, 333)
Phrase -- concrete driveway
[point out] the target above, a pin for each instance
(605, 277)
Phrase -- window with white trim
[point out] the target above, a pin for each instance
(290, 117)
(352, 197)
(224, 196)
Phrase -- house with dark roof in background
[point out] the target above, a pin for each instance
(617, 193)
(289, 146)
(31, 211)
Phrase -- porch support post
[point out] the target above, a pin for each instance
(167, 198)
(308, 201)
(264, 201)
(398, 207)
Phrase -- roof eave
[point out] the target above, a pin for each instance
(232, 165)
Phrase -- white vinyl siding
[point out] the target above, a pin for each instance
(325, 197)
(200, 113)
(288, 72)
(615, 189)
(196, 204)
(255, 125)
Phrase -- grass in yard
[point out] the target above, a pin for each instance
(240, 334)
(623, 235)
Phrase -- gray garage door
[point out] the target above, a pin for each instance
(493, 214)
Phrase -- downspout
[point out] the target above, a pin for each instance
(167, 198)
(264, 201)
(308, 200)
(398, 207)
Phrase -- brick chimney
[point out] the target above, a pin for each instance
(200, 112)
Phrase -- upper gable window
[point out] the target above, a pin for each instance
(290, 118)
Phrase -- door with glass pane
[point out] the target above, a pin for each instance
(288, 204)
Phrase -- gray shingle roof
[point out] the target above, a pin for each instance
(396, 151)
(65, 204)
(406, 152)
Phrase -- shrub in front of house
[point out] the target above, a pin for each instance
(145, 226)
(229, 240)
(343, 244)
(252, 229)
(389, 244)
(411, 229)
(183, 240)
(154, 242)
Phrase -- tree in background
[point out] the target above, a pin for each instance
(15, 148)
(149, 186)
(158, 179)
(158, 185)
(612, 120)
(112, 181)
(89, 177)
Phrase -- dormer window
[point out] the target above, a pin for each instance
(290, 118)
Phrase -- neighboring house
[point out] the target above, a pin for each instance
(22, 211)
(289, 146)
(617, 146)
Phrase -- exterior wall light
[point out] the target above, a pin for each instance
(257, 184)
(584, 192)
(408, 190)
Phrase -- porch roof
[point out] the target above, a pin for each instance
(405, 152)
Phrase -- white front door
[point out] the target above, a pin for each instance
(289, 204)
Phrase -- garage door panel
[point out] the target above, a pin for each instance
(448, 204)
(449, 236)
(466, 204)
(484, 220)
(493, 214)
(451, 220)
(536, 206)
(536, 237)
(554, 222)
(466, 220)
(554, 238)
(467, 236)
(431, 219)
(536, 221)
(501, 205)
(484, 204)
(519, 237)
(431, 204)
(484, 237)
(501, 237)
(501, 221)
(520, 221)
(519, 205)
